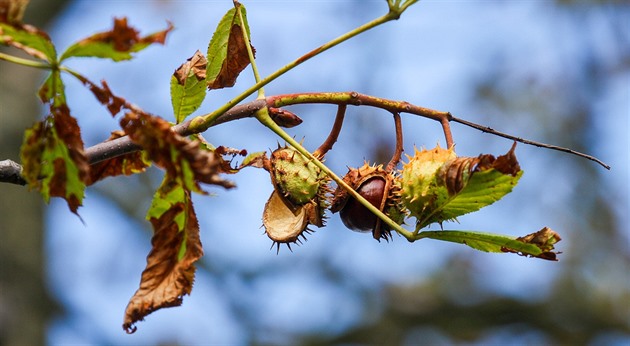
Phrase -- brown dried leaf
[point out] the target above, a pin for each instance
(506, 164)
(105, 96)
(257, 160)
(125, 37)
(53, 158)
(236, 60)
(170, 269)
(195, 64)
(116, 44)
(170, 150)
(69, 133)
(12, 11)
(545, 239)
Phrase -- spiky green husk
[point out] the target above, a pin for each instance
(296, 177)
(299, 198)
(420, 187)
(437, 186)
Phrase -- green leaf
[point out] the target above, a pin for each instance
(53, 159)
(116, 44)
(486, 242)
(52, 90)
(29, 39)
(437, 186)
(188, 86)
(227, 51)
(483, 189)
(539, 244)
(170, 193)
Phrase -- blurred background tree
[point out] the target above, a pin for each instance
(556, 72)
(25, 306)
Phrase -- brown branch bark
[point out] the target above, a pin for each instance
(333, 135)
(10, 171)
(399, 144)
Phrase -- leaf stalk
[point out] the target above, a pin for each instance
(25, 62)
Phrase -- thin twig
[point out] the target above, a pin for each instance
(526, 141)
(333, 135)
(399, 144)
(446, 127)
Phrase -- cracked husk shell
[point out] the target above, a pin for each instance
(299, 197)
(377, 187)
(282, 223)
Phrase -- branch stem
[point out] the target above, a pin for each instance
(334, 133)
(399, 144)
(250, 51)
(110, 149)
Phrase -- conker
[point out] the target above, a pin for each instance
(375, 185)
(356, 216)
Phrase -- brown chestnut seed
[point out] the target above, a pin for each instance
(357, 217)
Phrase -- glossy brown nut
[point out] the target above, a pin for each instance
(357, 217)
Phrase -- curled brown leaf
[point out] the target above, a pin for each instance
(195, 64)
(237, 59)
(105, 96)
(545, 239)
(124, 37)
(169, 150)
(12, 11)
(69, 133)
(456, 172)
(169, 275)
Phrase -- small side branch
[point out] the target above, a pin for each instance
(526, 141)
(399, 144)
(333, 135)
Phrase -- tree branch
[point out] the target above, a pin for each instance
(10, 171)
(123, 145)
